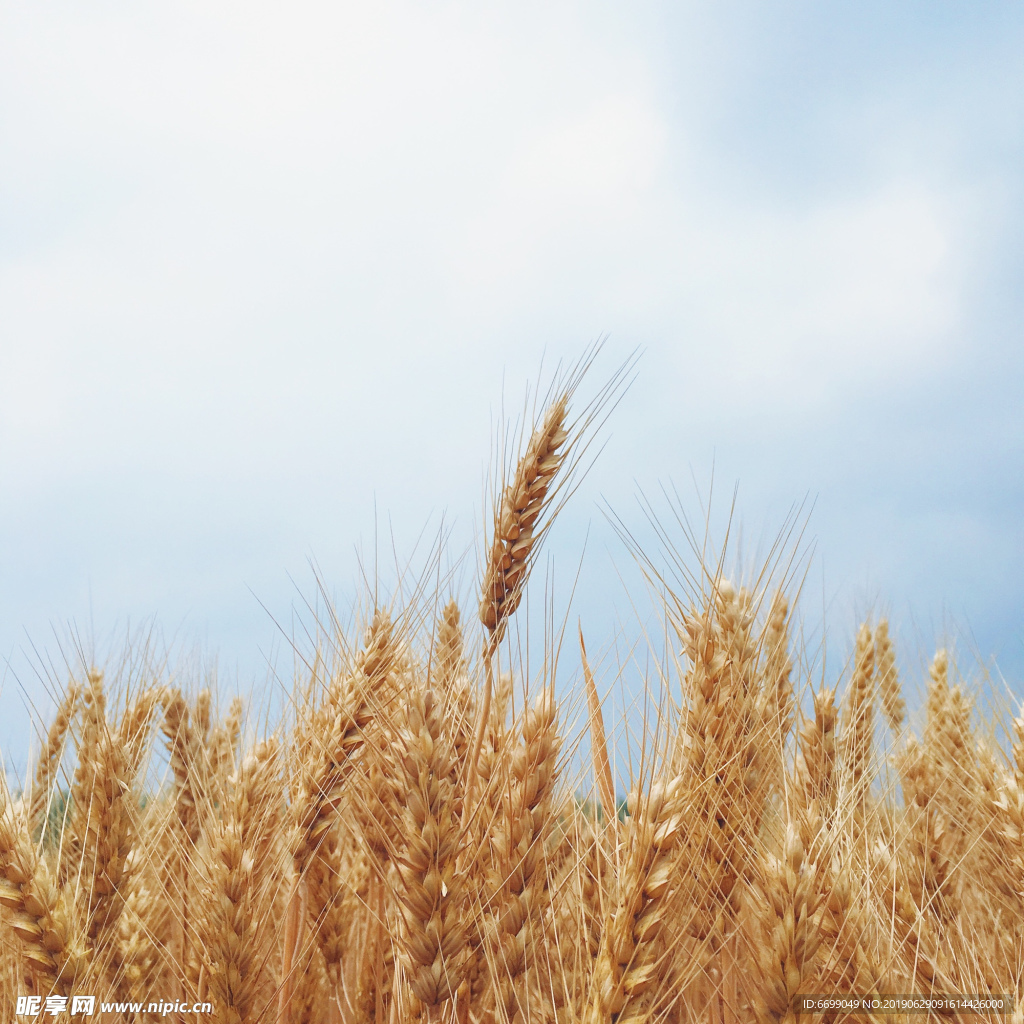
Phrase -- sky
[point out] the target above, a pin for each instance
(271, 275)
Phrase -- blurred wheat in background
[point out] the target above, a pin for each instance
(412, 838)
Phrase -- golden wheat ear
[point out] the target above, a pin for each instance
(858, 720)
(518, 513)
(234, 953)
(347, 713)
(50, 757)
(633, 955)
(36, 911)
(784, 929)
(893, 705)
(815, 767)
(431, 894)
(516, 528)
(598, 742)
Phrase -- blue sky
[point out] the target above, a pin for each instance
(267, 272)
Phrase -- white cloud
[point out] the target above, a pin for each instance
(244, 167)
(826, 297)
(575, 182)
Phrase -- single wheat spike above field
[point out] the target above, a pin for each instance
(517, 516)
(516, 526)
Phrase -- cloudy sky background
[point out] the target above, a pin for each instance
(268, 270)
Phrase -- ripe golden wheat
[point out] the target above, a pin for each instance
(409, 841)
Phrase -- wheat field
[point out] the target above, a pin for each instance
(409, 840)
